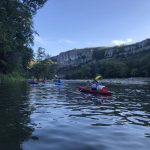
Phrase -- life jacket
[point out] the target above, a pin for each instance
(93, 85)
(104, 89)
(100, 87)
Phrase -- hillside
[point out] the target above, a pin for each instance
(118, 61)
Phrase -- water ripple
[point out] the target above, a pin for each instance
(64, 118)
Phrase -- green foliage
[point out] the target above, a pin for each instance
(107, 68)
(83, 73)
(44, 67)
(16, 34)
(138, 66)
(14, 76)
(99, 53)
(41, 54)
(112, 68)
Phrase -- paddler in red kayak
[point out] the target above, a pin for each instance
(94, 85)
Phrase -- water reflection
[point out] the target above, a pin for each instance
(64, 118)
(14, 116)
(76, 120)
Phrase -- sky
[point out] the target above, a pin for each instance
(68, 24)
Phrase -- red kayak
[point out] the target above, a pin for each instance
(103, 91)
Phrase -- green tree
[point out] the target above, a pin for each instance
(43, 67)
(41, 55)
(16, 33)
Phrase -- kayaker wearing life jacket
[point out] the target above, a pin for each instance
(100, 87)
(95, 87)
(95, 83)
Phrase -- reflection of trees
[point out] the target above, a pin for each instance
(14, 116)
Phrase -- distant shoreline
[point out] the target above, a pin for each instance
(132, 80)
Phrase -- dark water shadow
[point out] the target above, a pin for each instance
(15, 113)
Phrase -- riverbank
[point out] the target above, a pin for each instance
(135, 80)
(11, 77)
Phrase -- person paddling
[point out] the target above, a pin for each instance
(95, 83)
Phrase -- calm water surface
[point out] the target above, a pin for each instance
(48, 117)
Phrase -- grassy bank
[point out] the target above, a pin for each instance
(11, 77)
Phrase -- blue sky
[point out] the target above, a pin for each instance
(67, 24)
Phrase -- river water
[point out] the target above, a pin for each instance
(49, 117)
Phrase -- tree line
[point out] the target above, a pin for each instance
(42, 67)
(17, 34)
(138, 66)
(16, 54)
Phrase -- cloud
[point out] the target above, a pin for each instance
(120, 42)
(45, 41)
(66, 41)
